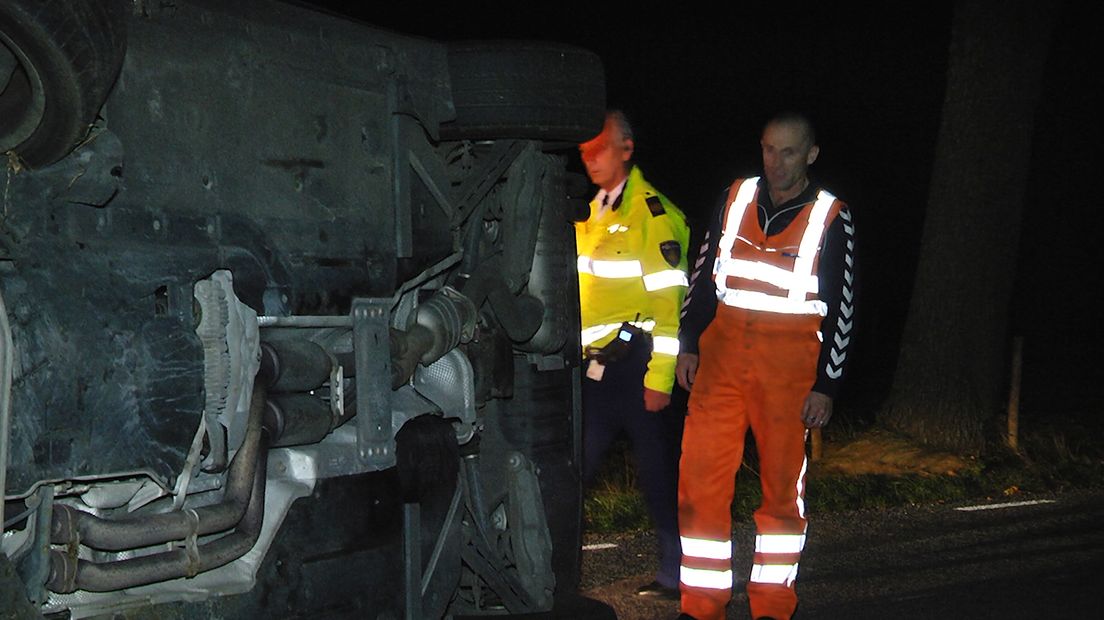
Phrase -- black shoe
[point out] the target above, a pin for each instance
(685, 617)
(658, 590)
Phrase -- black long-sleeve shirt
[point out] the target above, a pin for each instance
(836, 273)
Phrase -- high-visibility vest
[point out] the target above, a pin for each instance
(624, 274)
(776, 274)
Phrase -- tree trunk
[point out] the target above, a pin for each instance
(951, 371)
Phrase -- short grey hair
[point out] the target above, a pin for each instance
(798, 119)
(618, 118)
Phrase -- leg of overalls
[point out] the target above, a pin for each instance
(785, 363)
(712, 449)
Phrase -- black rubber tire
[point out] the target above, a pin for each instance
(58, 61)
(525, 90)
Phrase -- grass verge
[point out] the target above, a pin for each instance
(1050, 459)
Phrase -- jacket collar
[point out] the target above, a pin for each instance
(806, 196)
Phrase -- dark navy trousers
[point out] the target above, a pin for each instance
(615, 405)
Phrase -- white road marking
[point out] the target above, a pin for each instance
(597, 546)
(1005, 505)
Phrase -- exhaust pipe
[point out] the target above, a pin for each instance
(68, 574)
(70, 526)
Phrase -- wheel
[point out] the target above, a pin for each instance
(58, 60)
(507, 547)
(428, 464)
(525, 90)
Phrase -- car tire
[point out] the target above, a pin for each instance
(58, 61)
(525, 90)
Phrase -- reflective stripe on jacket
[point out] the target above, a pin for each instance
(632, 267)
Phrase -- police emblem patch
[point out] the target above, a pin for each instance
(671, 251)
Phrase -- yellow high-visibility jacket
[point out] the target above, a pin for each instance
(632, 267)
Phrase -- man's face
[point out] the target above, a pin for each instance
(606, 157)
(787, 155)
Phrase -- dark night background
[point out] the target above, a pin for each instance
(698, 85)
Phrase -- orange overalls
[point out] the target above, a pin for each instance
(757, 363)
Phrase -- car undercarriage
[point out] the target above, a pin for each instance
(288, 312)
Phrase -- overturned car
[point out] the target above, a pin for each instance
(287, 314)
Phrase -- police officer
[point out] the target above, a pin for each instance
(632, 279)
(766, 335)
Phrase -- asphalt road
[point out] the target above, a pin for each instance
(1036, 557)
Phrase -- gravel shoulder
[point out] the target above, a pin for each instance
(909, 559)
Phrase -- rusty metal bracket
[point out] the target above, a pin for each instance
(372, 354)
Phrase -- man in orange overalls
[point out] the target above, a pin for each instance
(764, 342)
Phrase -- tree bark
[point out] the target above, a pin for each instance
(950, 374)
